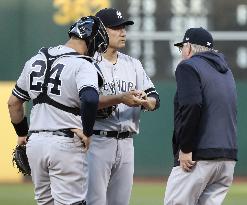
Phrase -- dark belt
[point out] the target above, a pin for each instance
(113, 134)
(62, 132)
(80, 203)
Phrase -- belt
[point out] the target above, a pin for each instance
(79, 203)
(113, 134)
(62, 132)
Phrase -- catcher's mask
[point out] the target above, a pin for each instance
(92, 30)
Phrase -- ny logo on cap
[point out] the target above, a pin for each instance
(187, 39)
(119, 15)
(208, 43)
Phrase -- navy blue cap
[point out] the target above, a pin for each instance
(198, 36)
(112, 18)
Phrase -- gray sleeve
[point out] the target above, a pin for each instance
(143, 81)
(87, 76)
(21, 88)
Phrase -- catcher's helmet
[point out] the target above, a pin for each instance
(92, 30)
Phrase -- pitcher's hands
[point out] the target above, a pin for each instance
(148, 102)
(133, 98)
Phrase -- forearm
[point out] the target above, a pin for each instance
(16, 114)
(19, 121)
(150, 105)
(153, 102)
(16, 110)
(109, 100)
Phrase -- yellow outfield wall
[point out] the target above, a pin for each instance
(8, 138)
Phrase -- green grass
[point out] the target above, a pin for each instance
(142, 194)
(16, 194)
(148, 193)
(237, 195)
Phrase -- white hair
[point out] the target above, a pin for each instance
(198, 48)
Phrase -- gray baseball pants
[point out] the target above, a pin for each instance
(58, 170)
(110, 169)
(207, 184)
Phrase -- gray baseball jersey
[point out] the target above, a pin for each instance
(125, 75)
(57, 163)
(111, 160)
(70, 74)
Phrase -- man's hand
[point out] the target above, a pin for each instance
(133, 98)
(22, 140)
(149, 103)
(186, 161)
(86, 140)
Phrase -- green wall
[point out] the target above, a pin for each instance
(153, 146)
(27, 25)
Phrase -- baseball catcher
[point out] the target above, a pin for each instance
(20, 160)
(63, 83)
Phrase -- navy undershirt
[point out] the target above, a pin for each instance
(89, 104)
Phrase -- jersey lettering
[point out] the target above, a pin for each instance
(112, 87)
(120, 85)
(39, 74)
(130, 86)
(55, 81)
(123, 86)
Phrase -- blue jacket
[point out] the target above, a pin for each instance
(205, 108)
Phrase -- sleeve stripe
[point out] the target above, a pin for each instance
(23, 92)
(20, 95)
(150, 91)
(92, 86)
(21, 98)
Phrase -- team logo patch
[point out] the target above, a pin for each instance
(119, 15)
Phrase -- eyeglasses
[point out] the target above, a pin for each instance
(185, 44)
(180, 48)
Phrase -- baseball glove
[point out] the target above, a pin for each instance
(20, 160)
(105, 112)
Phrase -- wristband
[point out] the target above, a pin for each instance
(21, 128)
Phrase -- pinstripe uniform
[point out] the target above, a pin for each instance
(125, 75)
(111, 160)
(75, 70)
(57, 162)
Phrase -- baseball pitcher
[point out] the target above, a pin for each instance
(128, 90)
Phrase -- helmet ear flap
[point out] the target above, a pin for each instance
(91, 47)
(92, 30)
